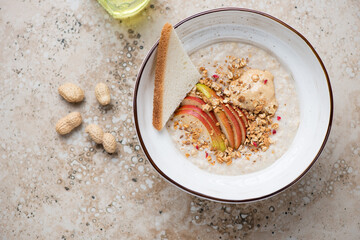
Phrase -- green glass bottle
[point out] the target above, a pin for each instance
(123, 8)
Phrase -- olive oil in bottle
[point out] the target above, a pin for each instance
(123, 8)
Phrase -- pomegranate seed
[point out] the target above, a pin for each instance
(278, 118)
(215, 76)
(265, 81)
(274, 131)
(197, 147)
(206, 154)
(255, 144)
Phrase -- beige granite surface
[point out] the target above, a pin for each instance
(54, 187)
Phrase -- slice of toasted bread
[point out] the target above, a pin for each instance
(175, 76)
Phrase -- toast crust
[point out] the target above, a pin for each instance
(160, 74)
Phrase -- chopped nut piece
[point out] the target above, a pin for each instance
(259, 108)
(194, 152)
(206, 107)
(215, 86)
(215, 101)
(227, 92)
(205, 73)
(217, 109)
(255, 77)
(242, 63)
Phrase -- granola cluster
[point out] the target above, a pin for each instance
(191, 135)
(259, 130)
(224, 74)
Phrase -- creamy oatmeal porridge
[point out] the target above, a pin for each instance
(269, 80)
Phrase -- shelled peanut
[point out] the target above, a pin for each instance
(106, 139)
(71, 92)
(68, 123)
(95, 132)
(102, 93)
(109, 143)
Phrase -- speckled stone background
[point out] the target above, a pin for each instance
(54, 187)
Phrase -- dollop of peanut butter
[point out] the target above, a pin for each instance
(254, 91)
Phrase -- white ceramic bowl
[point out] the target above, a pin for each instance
(312, 85)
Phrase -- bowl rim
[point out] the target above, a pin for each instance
(195, 193)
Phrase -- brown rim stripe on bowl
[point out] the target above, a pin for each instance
(203, 195)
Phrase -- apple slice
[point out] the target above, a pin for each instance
(204, 114)
(207, 122)
(226, 127)
(241, 123)
(234, 125)
(212, 122)
(243, 116)
(192, 100)
(216, 139)
(229, 112)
